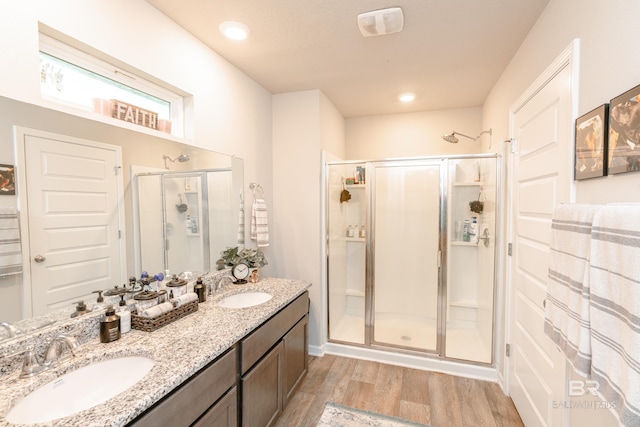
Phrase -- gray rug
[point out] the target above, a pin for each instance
(335, 415)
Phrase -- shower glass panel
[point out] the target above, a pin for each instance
(406, 231)
(346, 237)
(408, 268)
(471, 258)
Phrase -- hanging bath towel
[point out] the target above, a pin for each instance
(568, 289)
(241, 222)
(615, 309)
(10, 248)
(259, 223)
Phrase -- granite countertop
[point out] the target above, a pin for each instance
(179, 350)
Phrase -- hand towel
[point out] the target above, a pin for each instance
(10, 247)
(259, 223)
(157, 310)
(567, 305)
(185, 298)
(241, 222)
(615, 309)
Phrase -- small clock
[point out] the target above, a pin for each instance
(240, 272)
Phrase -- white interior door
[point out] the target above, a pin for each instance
(75, 218)
(541, 178)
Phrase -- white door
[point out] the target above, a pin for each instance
(541, 177)
(74, 207)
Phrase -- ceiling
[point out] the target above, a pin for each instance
(450, 53)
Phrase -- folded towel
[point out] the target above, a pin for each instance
(567, 307)
(157, 310)
(185, 299)
(241, 222)
(10, 247)
(259, 223)
(615, 309)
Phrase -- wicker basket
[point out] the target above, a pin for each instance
(149, 325)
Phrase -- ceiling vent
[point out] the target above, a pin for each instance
(379, 22)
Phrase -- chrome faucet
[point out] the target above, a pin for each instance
(56, 349)
(218, 285)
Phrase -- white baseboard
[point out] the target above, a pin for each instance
(485, 373)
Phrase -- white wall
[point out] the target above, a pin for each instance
(304, 123)
(413, 134)
(609, 65)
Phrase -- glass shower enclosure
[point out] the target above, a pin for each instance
(411, 255)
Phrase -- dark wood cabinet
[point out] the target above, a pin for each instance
(187, 403)
(269, 362)
(273, 361)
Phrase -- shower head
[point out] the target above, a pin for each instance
(454, 140)
(451, 138)
(181, 158)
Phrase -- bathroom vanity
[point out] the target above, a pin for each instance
(216, 367)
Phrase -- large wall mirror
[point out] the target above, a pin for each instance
(180, 205)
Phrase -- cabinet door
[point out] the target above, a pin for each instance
(295, 356)
(262, 390)
(222, 414)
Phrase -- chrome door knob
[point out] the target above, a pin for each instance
(39, 258)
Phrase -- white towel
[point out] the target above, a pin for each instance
(615, 309)
(241, 222)
(10, 247)
(567, 306)
(259, 223)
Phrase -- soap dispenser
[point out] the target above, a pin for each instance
(100, 304)
(110, 326)
(201, 290)
(81, 308)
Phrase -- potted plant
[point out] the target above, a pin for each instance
(254, 258)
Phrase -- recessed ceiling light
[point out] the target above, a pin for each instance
(234, 30)
(407, 97)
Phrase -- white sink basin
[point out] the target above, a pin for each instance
(245, 299)
(80, 389)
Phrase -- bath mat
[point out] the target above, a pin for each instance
(335, 415)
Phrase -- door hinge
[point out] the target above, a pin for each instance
(510, 249)
(513, 145)
(507, 350)
(115, 169)
(119, 234)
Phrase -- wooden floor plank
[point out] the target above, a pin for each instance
(425, 397)
(388, 390)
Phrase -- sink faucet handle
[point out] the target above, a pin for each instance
(30, 364)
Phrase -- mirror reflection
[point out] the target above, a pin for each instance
(159, 176)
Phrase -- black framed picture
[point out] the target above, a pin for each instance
(624, 132)
(7, 180)
(591, 143)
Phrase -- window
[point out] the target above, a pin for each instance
(74, 78)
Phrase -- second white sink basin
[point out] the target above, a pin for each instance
(81, 389)
(245, 299)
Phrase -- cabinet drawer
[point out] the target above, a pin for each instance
(255, 345)
(195, 396)
(222, 414)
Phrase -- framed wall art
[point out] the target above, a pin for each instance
(7, 180)
(624, 132)
(591, 143)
